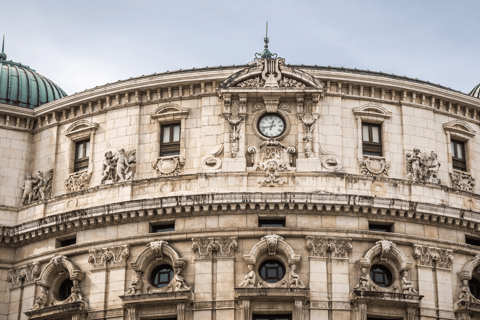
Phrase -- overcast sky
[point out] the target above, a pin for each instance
(83, 44)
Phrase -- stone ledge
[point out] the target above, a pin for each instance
(272, 293)
(146, 299)
(388, 298)
(467, 306)
(57, 311)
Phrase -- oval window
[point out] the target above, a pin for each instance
(272, 271)
(161, 276)
(474, 286)
(65, 289)
(381, 275)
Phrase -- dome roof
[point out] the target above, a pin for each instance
(22, 86)
(475, 91)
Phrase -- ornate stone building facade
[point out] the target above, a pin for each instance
(261, 191)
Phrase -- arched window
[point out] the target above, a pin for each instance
(161, 276)
(272, 271)
(381, 275)
(474, 286)
(65, 289)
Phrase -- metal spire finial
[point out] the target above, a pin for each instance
(266, 37)
(3, 56)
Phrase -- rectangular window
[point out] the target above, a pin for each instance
(380, 227)
(372, 139)
(265, 223)
(458, 155)
(170, 140)
(66, 242)
(82, 150)
(162, 228)
(472, 240)
(272, 317)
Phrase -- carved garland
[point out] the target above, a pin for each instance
(224, 246)
(115, 256)
(318, 246)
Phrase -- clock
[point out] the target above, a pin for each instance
(271, 125)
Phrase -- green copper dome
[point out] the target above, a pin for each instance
(23, 87)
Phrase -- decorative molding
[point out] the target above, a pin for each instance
(59, 265)
(168, 166)
(38, 188)
(78, 181)
(318, 246)
(459, 127)
(28, 273)
(81, 129)
(433, 256)
(308, 122)
(203, 305)
(226, 304)
(462, 181)
(234, 122)
(374, 166)
(372, 110)
(272, 169)
(210, 162)
(322, 305)
(224, 246)
(421, 167)
(276, 243)
(386, 250)
(169, 112)
(121, 167)
(117, 257)
(157, 250)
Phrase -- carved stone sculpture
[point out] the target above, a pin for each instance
(272, 241)
(294, 279)
(178, 281)
(27, 272)
(387, 247)
(168, 166)
(78, 181)
(76, 294)
(363, 281)
(462, 181)
(156, 247)
(234, 121)
(407, 286)
(292, 83)
(42, 300)
(250, 279)
(136, 285)
(121, 167)
(422, 167)
(374, 166)
(116, 256)
(465, 294)
(308, 125)
(272, 169)
(224, 246)
(252, 83)
(432, 256)
(318, 246)
(37, 188)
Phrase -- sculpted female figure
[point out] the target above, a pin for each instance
(250, 278)
(407, 286)
(294, 278)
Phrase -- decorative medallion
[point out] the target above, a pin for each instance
(374, 166)
(167, 166)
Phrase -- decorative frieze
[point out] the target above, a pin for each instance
(374, 166)
(78, 181)
(462, 180)
(224, 246)
(120, 167)
(115, 256)
(318, 246)
(433, 257)
(28, 273)
(37, 188)
(421, 167)
(168, 166)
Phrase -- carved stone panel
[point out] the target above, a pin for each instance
(28, 273)
(462, 181)
(224, 246)
(38, 187)
(78, 181)
(433, 257)
(114, 256)
(318, 246)
(422, 167)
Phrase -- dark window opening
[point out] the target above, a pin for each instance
(67, 242)
(272, 271)
(473, 241)
(170, 140)
(265, 223)
(474, 286)
(458, 155)
(163, 227)
(372, 139)
(381, 276)
(82, 150)
(272, 317)
(65, 289)
(379, 227)
(161, 276)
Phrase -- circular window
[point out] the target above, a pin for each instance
(161, 276)
(271, 125)
(65, 289)
(381, 275)
(272, 271)
(474, 286)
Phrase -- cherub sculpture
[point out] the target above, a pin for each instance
(136, 286)
(122, 164)
(294, 279)
(250, 278)
(107, 168)
(179, 281)
(28, 186)
(363, 281)
(407, 286)
(42, 300)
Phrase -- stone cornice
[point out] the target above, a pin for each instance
(205, 204)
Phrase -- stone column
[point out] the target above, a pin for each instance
(28, 299)
(97, 289)
(318, 288)
(444, 292)
(203, 287)
(116, 287)
(426, 288)
(340, 288)
(245, 310)
(225, 288)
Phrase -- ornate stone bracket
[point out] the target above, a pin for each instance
(463, 181)
(224, 246)
(374, 166)
(114, 256)
(433, 257)
(28, 273)
(78, 181)
(168, 166)
(421, 167)
(318, 246)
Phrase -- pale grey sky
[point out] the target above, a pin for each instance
(83, 44)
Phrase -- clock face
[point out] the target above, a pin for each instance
(271, 125)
